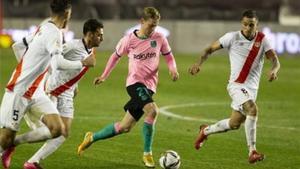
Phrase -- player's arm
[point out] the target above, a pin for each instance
(20, 47)
(59, 62)
(172, 66)
(110, 65)
(121, 49)
(272, 56)
(203, 56)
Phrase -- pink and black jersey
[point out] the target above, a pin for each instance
(246, 57)
(144, 56)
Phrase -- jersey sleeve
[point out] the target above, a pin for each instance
(67, 47)
(54, 43)
(226, 40)
(266, 45)
(165, 48)
(122, 46)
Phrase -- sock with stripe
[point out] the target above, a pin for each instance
(108, 131)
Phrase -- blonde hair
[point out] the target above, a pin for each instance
(150, 12)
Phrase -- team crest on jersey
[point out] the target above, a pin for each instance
(153, 43)
(257, 44)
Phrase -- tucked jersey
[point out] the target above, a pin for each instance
(34, 64)
(64, 82)
(143, 57)
(246, 57)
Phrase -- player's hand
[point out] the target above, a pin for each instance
(272, 75)
(90, 61)
(98, 80)
(194, 69)
(174, 75)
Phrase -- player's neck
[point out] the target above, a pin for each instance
(250, 37)
(57, 21)
(87, 43)
(141, 34)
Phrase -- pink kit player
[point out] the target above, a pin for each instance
(143, 48)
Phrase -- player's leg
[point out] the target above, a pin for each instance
(151, 112)
(50, 146)
(54, 127)
(108, 131)
(10, 116)
(251, 110)
(232, 123)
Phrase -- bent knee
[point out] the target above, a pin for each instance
(235, 124)
(251, 108)
(57, 131)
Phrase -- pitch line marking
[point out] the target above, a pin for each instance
(165, 111)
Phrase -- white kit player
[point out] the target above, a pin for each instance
(246, 52)
(22, 91)
(61, 87)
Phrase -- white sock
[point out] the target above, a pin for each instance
(220, 126)
(48, 148)
(39, 134)
(147, 153)
(250, 130)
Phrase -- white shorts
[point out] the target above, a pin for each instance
(14, 107)
(64, 106)
(240, 94)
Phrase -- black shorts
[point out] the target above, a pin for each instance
(140, 96)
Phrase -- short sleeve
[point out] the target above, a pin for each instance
(165, 48)
(122, 46)
(266, 45)
(54, 43)
(67, 47)
(226, 40)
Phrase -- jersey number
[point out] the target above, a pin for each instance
(15, 115)
(143, 93)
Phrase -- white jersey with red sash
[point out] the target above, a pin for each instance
(246, 57)
(64, 82)
(34, 64)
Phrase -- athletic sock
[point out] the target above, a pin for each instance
(108, 131)
(148, 132)
(250, 130)
(220, 126)
(48, 148)
(39, 134)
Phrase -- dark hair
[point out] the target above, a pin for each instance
(91, 25)
(60, 6)
(150, 12)
(249, 14)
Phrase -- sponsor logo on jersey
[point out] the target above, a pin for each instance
(144, 56)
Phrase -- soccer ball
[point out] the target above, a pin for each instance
(170, 160)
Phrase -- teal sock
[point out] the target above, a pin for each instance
(148, 132)
(107, 132)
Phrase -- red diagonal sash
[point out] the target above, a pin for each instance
(60, 89)
(250, 58)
